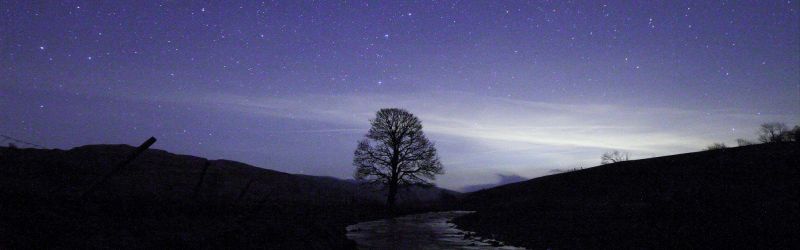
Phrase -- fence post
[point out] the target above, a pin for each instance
(120, 165)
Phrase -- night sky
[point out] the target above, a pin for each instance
(511, 88)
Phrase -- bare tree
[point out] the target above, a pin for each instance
(396, 153)
(716, 146)
(615, 156)
(772, 132)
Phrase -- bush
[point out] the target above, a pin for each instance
(716, 146)
(615, 156)
(743, 142)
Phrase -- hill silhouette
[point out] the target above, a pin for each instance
(176, 201)
(743, 197)
(503, 180)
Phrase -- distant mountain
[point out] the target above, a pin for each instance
(743, 197)
(175, 201)
(504, 179)
(405, 195)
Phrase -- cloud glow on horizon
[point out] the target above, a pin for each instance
(502, 87)
(512, 136)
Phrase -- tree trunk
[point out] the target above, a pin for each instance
(391, 197)
(394, 178)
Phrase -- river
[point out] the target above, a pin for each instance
(419, 231)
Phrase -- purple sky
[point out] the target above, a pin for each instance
(502, 87)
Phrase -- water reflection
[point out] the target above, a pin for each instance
(419, 231)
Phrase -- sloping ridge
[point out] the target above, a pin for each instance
(744, 197)
(168, 200)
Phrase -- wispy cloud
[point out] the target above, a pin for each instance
(503, 122)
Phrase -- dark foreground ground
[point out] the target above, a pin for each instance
(742, 198)
(174, 201)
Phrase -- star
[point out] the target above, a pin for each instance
(560, 52)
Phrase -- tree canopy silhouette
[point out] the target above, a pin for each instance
(395, 152)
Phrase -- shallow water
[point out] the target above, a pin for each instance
(419, 231)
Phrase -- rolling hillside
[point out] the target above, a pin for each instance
(744, 197)
(177, 201)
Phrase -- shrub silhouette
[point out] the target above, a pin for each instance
(716, 146)
(614, 156)
(742, 142)
(794, 134)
